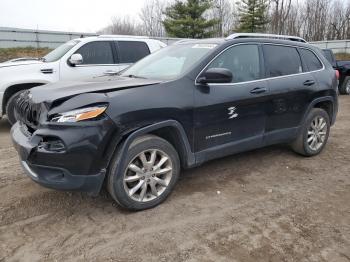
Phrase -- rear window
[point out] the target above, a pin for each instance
(282, 60)
(311, 60)
(132, 51)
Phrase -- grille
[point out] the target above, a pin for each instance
(27, 111)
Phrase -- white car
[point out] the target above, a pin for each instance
(80, 59)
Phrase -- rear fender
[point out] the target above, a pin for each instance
(319, 100)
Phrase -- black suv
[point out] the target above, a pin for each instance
(183, 105)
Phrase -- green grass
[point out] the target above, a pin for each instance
(342, 56)
(11, 53)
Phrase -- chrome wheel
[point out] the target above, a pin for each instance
(316, 134)
(148, 175)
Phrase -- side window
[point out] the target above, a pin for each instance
(242, 60)
(98, 52)
(311, 60)
(328, 55)
(282, 60)
(132, 51)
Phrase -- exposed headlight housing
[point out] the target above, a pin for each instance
(79, 114)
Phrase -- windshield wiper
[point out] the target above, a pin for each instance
(42, 59)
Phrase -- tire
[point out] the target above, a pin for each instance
(344, 89)
(10, 108)
(136, 189)
(305, 143)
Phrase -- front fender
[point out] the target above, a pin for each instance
(186, 154)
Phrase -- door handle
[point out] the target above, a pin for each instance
(309, 82)
(258, 90)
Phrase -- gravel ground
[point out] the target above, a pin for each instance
(265, 205)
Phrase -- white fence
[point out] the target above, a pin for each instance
(15, 37)
(338, 46)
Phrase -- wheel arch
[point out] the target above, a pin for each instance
(170, 130)
(14, 88)
(326, 103)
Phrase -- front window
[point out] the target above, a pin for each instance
(170, 62)
(97, 53)
(60, 51)
(242, 60)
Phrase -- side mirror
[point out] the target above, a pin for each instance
(215, 75)
(76, 59)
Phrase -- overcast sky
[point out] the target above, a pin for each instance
(65, 15)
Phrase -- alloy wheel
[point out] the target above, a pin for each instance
(316, 134)
(148, 175)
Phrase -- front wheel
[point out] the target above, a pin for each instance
(148, 175)
(10, 108)
(344, 89)
(313, 134)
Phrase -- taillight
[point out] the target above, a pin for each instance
(337, 74)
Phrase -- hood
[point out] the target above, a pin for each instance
(20, 62)
(51, 92)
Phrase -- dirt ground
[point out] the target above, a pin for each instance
(265, 205)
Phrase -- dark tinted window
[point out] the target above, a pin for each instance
(310, 59)
(96, 53)
(242, 61)
(282, 60)
(132, 51)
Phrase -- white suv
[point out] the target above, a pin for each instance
(80, 59)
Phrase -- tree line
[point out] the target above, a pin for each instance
(314, 20)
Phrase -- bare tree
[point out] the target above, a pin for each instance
(338, 27)
(313, 20)
(280, 14)
(224, 12)
(294, 21)
(151, 15)
(122, 26)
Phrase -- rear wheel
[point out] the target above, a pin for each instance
(148, 175)
(10, 108)
(344, 89)
(313, 134)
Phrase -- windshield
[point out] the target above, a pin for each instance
(170, 62)
(60, 51)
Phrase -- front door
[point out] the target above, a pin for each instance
(232, 114)
(99, 58)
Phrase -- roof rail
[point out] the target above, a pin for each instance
(122, 36)
(257, 35)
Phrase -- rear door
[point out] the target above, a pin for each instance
(291, 84)
(129, 52)
(232, 113)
